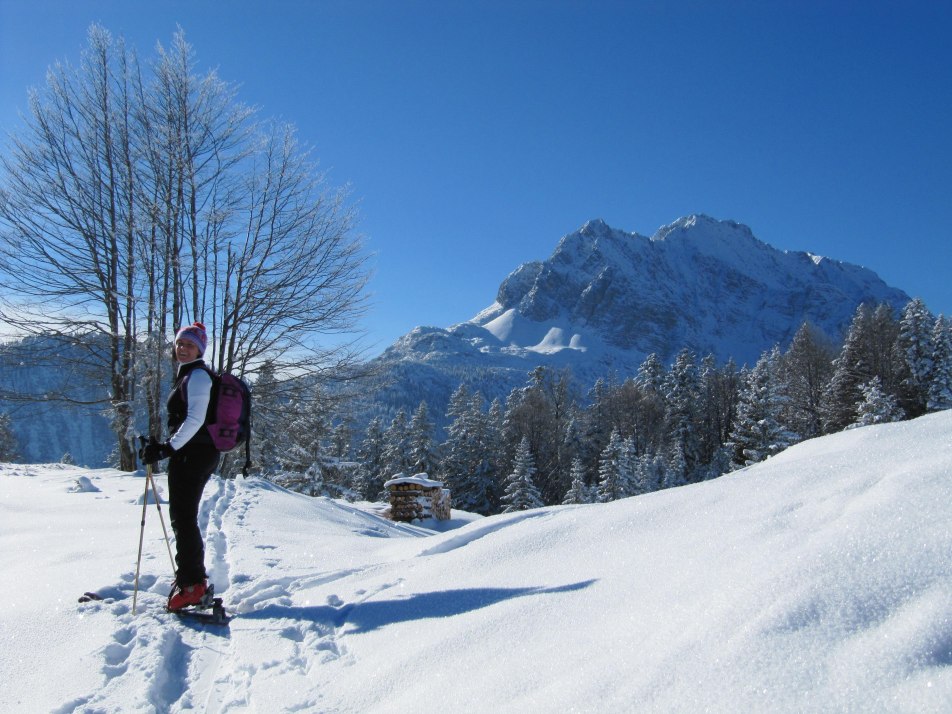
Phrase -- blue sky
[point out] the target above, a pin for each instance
(475, 134)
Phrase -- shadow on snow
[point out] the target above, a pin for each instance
(372, 615)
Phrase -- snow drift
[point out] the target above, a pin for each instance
(819, 580)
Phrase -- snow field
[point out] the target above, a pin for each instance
(817, 581)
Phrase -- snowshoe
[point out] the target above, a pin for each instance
(207, 609)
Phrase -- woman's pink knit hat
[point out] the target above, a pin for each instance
(194, 333)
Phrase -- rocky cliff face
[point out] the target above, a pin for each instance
(605, 299)
(700, 283)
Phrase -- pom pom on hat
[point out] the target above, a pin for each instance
(194, 333)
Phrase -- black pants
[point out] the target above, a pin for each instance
(189, 469)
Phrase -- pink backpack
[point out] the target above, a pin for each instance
(229, 414)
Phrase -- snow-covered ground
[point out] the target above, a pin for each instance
(818, 581)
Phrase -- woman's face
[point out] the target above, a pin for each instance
(185, 351)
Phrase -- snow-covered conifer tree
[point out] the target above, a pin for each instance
(651, 373)
(720, 464)
(267, 448)
(940, 382)
(459, 448)
(370, 477)
(628, 463)
(541, 411)
(682, 394)
(579, 491)
(314, 481)
(876, 407)
(917, 349)
(649, 428)
(809, 369)
(469, 464)
(492, 437)
(341, 435)
(611, 477)
(717, 402)
(396, 447)
(759, 430)
(676, 472)
(884, 356)
(851, 370)
(657, 471)
(422, 459)
(459, 402)
(598, 422)
(642, 476)
(572, 446)
(304, 429)
(521, 492)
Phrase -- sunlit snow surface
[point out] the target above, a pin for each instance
(818, 581)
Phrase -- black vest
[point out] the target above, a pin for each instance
(177, 404)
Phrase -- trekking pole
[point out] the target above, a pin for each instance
(149, 483)
(145, 500)
(158, 507)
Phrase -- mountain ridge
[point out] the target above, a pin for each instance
(605, 299)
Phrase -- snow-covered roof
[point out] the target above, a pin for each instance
(420, 479)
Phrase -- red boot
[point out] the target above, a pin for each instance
(188, 595)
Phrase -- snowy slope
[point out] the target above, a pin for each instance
(819, 580)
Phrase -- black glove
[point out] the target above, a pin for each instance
(154, 451)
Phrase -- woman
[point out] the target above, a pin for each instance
(192, 460)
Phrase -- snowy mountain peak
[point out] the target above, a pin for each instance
(606, 298)
(597, 228)
(699, 224)
(594, 226)
(727, 241)
(699, 282)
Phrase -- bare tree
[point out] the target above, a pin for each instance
(195, 136)
(68, 215)
(292, 271)
(132, 205)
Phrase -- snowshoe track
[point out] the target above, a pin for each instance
(189, 665)
(181, 659)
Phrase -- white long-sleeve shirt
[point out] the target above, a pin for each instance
(198, 392)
